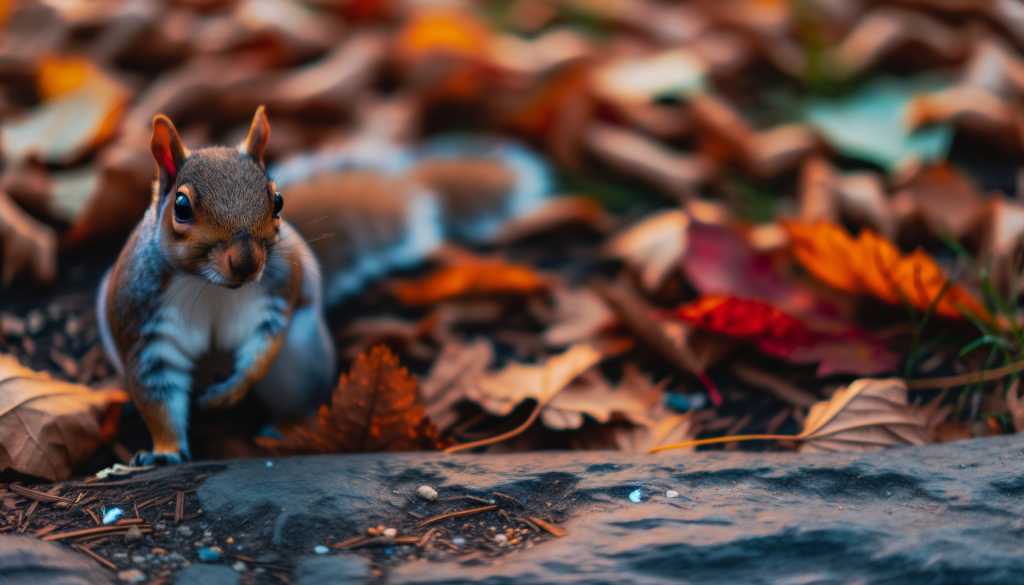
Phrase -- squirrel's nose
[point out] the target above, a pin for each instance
(242, 265)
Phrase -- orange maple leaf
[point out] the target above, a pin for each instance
(443, 30)
(470, 279)
(373, 408)
(874, 266)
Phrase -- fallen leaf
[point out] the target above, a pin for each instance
(373, 408)
(872, 265)
(868, 415)
(554, 214)
(827, 195)
(635, 398)
(668, 429)
(81, 109)
(551, 49)
(579, 315)
(26, 244)
(884, 30)
(438, 30)
(452, 377)
(943, 198)
(727, 137)
(48, 427)
(470, 279)
(654, 246)
(1015, 404)
(676, 73)
(1002, 231)
(629, 152)
(872, 124)
(853, 351)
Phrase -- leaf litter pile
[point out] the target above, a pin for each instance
(771, 225)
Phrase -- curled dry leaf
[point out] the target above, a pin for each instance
(825, 195)
(47, 427)
(26, 245)
(500, 392)
(373, 408)
(776, 333)
(554, 214)
(579, 315)
(452, 378)
(655, 246)
(635, 398)
(473, 278)
(875, 266)
(81, 109)
(634, 154)
(668, 429)
(868, 415)
(943, 198)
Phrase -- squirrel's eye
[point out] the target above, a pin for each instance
(182, 208)
(278, 203)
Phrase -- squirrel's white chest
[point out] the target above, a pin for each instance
(202, 317)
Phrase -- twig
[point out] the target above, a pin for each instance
(509, 498)
(971, 378)
(179, 507)
(92, 531)
(37, 496)
(457, 514)
(426, 538)
(549, 527)
(529, 421)
(45, 530)
(348, 542)
(415, 515)
(93, 514)
(129, 522)
(472, 498)
(98, 558)
(780, 388)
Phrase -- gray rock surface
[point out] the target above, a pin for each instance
(947, 513)
(333, 569)
(207, 575)
(26, 560)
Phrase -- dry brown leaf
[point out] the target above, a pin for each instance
(452, 377)
(26, 245)
(654, 247)
(635, 398)
(1002, 231)
(946, 200)
(884, 30)
(827, 195)
(81, 109)
(579, 315)
(47, 427)
(373, 408)
(555, 214)
(474, 278)
(500, 392)
(868, 415)
(726, 137)
(668, 429)
(629, 152)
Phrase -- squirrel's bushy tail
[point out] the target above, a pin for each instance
(367, 208)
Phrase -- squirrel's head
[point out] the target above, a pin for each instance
(219, 214)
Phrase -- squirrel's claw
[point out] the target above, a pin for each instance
(146, 459)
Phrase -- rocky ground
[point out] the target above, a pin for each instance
(949, 513)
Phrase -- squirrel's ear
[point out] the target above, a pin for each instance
(259, 134)
(167, 151)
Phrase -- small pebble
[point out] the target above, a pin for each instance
(11, 326)
(239, 566)
(133, 535)
(458, 541)
(635, 496)
(390, 532)
(132, 576)
(138, 559)
(427, 493)
(671, 494)
(321, 549)
(209, 555)
(270, 463)
(110, 516)
(500, 538)
(185, 530)
(36, 322)
(259, 570)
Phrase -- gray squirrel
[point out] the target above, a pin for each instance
(215, 266)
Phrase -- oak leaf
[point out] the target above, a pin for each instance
(453, 376)
(373, 408)
(635, 398)
(875, 266)
(473, 278)
(578, 315)
(48, 427)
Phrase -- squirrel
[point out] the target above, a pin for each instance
(215, 266)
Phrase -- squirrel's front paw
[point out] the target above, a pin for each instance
(146, 459)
